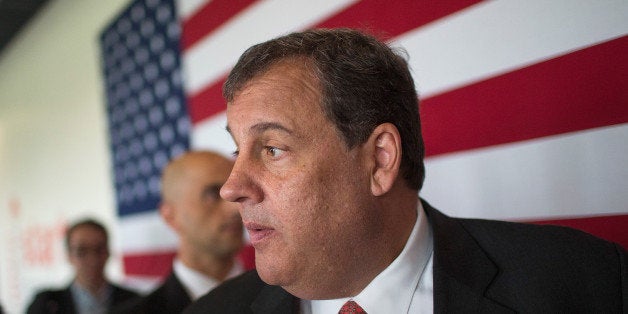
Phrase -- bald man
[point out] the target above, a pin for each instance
(209, 229)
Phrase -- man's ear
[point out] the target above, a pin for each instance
(166, 210)
(385, 142)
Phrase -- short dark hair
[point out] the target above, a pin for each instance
(364, 83)
(88, 222)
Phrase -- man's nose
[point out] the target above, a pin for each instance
(241, 186)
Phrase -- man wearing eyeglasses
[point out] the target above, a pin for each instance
(90, 292)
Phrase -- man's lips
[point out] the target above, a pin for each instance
(258, 232)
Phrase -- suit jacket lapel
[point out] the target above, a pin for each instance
(462, 270)
(274, 299)
(66, 304)
(176, 297)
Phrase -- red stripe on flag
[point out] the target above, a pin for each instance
(393, 20)
(377, 15)
(611, 228)
(159, 264)
(578, 91)
(207, 102)
(213, 15)
(148, 264)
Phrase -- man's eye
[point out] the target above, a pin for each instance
(274, 151)
(212, 193)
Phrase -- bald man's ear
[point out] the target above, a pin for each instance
(385, 142)
(167, 213)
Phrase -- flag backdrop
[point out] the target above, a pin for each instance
(524, 104)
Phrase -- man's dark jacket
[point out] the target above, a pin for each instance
(170, 298)
(61, 301)
(483, 266)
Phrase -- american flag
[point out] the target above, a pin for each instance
(524, 104)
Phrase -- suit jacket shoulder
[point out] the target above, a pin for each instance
(61, 301)
(120, 295)
(246, 293)
(524, 267)
(52, 301)
(170, 297)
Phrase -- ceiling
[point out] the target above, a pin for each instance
(13, 16)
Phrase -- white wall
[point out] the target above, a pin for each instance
(54, 155)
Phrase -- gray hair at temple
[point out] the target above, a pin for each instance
(364, 83)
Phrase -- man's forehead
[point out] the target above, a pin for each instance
(87, 236)
(284, 77)
(281, 99)
(261, 127)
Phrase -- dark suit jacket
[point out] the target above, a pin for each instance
(61, 301)
(483, 266)
(170, 297)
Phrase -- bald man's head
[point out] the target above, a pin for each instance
(179, 169)
(192, 207)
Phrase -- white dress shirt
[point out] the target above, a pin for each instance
(197, 284)
(405, 286)
(87, 303)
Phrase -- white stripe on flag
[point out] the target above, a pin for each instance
(495, 37)
(577, 174)
(146, 232)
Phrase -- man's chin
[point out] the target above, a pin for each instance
(270, 273)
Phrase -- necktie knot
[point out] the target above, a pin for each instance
(351, 308)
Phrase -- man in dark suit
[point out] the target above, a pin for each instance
(90, 292)
(328, 169)
(209, 229)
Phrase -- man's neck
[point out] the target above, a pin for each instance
(211, 266)
(94, 287)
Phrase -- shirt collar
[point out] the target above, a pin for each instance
(197, 284)
(392, 290)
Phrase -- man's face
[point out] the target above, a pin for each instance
(88, 253)
(303, 193)
(202, 218)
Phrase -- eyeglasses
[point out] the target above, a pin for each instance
(83, 251)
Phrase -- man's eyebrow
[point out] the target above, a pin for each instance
(265, 126)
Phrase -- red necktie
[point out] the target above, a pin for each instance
(351, 308)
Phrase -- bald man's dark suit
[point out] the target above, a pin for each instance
(170, 297)
(483, 266)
